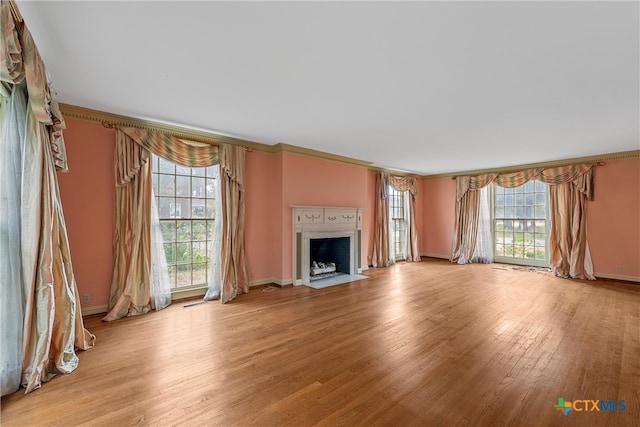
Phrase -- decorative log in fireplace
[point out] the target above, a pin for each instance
(322, 268)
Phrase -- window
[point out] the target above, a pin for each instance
(185, 198)
(520, 224)
(398, 225)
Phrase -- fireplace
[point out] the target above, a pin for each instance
(326, 243)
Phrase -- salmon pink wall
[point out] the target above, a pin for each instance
(263, 228)
(613, 219)
(439, 212)
(310, 181)
(87, 195)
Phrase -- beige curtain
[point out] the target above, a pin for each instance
(13, 112)
(466, 229)
(130, 281)
(467, 215)
(380, 256)
(52, 324)
(234, 277)
(569, 187)
(413, 250)
(570, 255)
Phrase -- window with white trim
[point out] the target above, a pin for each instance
(521, 224)
(185, 198)
(398, 224)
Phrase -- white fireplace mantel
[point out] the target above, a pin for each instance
(313, 222)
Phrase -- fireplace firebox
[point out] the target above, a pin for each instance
(329, 257)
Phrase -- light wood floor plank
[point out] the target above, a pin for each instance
(429, 343)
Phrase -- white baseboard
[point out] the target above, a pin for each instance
(96, 309)
(618, 277)
(260, 282)
(270, 280)
(281, 282)
(432, 255)
(364, 267)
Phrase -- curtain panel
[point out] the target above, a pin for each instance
(233, 275)
(483, 252)
(215, 250)
(53, 325)
(570, 255)
(51, 319)
(12, 121)
(130, 282)
(570, 187)
(381, 257)
(160, 292)
(465, 233)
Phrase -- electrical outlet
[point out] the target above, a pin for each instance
(618, 269)
(86, 298)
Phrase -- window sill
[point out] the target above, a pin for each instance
(188, 293)
(522, 261)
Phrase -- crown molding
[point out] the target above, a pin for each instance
(91, 115)
(286, 148)
(554, 163)
(104, 117)
(395, 172)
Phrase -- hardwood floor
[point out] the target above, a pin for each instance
(431, 343)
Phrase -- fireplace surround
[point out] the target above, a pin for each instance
(312, 224)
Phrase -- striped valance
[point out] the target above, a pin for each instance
(403, 183)
(580, 174)
(192, 154)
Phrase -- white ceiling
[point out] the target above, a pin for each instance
(425, 87)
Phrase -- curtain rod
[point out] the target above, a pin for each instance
(520, 170)
(15, 12)
(110, 125)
